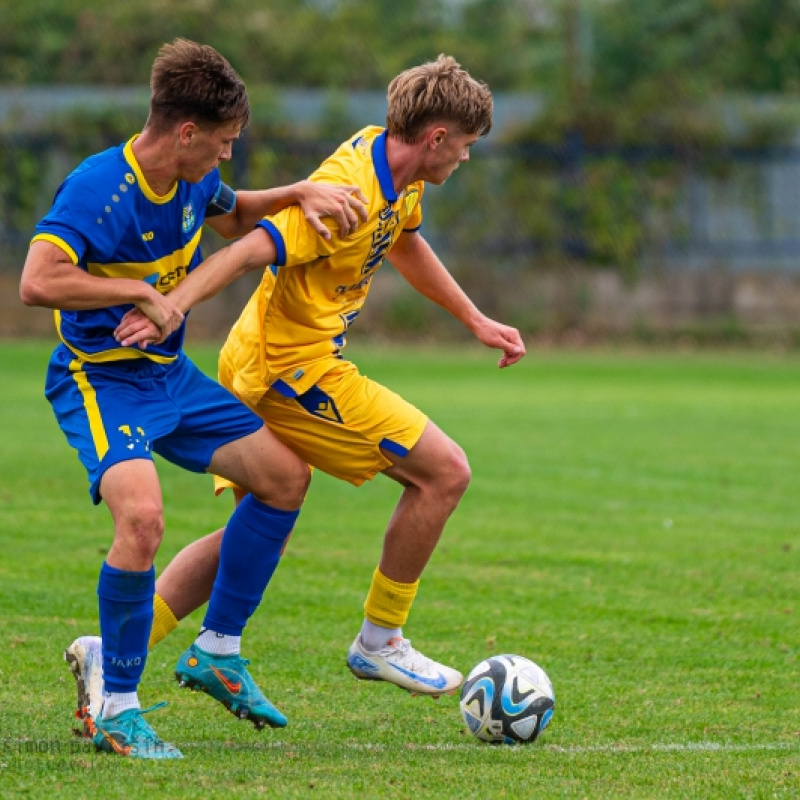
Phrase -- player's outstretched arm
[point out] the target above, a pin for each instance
(254, 251)
(344, 205)
(414, 259)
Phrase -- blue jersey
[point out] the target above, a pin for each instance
(111, 224)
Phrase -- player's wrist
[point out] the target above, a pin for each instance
(299, 190)
(141, 292)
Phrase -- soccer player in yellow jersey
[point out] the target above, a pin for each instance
(283, 357)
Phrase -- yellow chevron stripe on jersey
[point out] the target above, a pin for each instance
(102, 356)
(164, 274)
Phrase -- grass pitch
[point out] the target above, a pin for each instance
(632, 525)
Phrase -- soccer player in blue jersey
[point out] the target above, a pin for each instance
(123, 232)
(284, 355)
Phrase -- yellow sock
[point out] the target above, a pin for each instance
(388, 601)
(164, 621)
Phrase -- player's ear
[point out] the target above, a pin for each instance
(436, 136)
(187, 133)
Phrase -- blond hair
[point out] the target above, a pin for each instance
(193, 81)
(438, 91)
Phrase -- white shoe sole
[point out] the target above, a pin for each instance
(90, 695)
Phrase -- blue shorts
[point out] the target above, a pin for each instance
(120, 410)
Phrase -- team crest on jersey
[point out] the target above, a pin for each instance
(362, 145)
(188, 218)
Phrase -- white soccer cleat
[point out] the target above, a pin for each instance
(85, 659)
(399, 663)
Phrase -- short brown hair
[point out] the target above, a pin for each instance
(193, 81)
(438, 91)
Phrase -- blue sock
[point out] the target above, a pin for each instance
(126, 616)
(250, 552)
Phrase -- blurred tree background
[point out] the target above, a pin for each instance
(640, 50)
(663, 141)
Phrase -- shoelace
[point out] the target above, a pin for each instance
(417, 661)
(162, 704)
(141, 726)
(138, 728)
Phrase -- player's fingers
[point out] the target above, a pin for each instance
(357, 201)
(510, 358)
(350, 214)
(514, 342)
(131, 336)
(122, 330)
(344, 217)
(317, 224)
(142, 339)
(136, 331)
(513, 347)
(137, 337)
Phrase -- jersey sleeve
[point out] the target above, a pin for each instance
(81, 223)
(296, 241)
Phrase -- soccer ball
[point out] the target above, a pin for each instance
(507, 699)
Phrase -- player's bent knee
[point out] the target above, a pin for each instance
(285, 487)
(460, 472)
(295, 482)
(453, 472)
(141, 527)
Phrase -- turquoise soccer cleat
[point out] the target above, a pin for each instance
(226, 679)
(129, 735)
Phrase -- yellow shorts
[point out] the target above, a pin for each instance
(341, 425)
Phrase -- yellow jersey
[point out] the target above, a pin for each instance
(293, 328)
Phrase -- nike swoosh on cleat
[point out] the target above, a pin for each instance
(357, 661)
(233, 688)
(439, 682)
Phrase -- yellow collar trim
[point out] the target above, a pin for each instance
(143, 184)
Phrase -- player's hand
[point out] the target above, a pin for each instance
(162, 311)
(345, 204)
(503, 337)
(137, 329)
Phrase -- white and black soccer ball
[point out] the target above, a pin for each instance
(507, 699)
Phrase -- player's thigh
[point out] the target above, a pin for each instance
(435, 460)
(347, 426)
(107, 415)
(261, 464)
(209, 418)
(217, 433)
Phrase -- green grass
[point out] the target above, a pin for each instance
(632, 525)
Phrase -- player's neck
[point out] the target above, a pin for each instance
(156, 161)
(403, 160)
